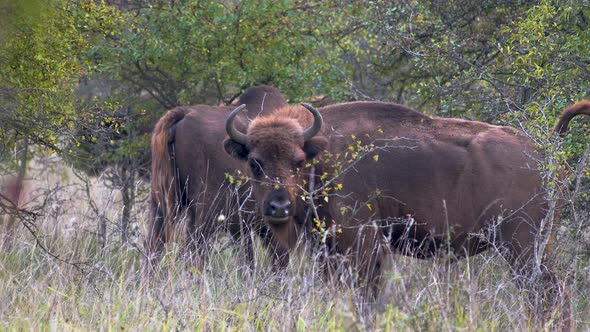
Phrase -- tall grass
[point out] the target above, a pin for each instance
(99, 286)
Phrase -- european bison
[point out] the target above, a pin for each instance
(189, 175)
(387, 177)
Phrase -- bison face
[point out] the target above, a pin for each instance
(276, 149)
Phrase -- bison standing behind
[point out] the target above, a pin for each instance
(189, 176)
(387, 177)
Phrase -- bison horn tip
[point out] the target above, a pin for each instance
(317, 123)
(234, 133)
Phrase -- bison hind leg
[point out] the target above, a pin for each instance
(548, 298)
(155, 240)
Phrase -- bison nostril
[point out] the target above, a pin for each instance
(280, 208)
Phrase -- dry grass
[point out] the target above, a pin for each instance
(106, 291)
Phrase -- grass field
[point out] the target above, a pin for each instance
(99, 286)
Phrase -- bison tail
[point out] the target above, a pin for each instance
(563, 121)
(165, 195)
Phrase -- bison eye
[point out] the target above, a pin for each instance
(255, 167)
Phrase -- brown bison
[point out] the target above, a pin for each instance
(383, 177)
(189, 174)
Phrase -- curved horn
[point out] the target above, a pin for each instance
(233, 133)
(317, 123)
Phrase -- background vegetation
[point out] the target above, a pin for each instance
(82, 82)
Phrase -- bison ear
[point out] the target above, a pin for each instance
(235, 149)
(315, 145)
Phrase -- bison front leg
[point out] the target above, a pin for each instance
(279, 254)
(356, 256)
(369, 260)
(241, 227)
(198, 235)
(243, 231)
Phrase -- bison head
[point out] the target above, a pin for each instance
(277, 148)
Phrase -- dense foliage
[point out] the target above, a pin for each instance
(39, 68)
(132, 60)
(88, 79)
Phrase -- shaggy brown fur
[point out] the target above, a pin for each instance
(165, 192)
